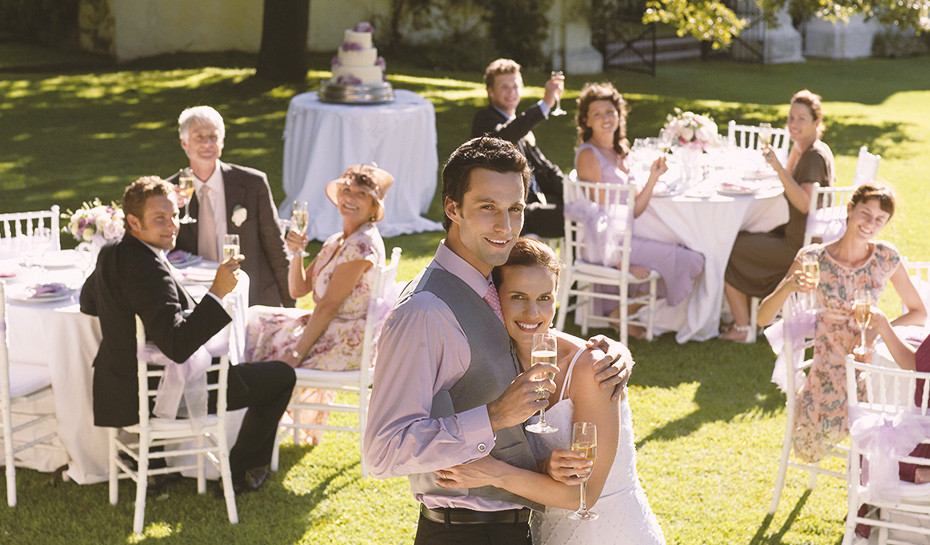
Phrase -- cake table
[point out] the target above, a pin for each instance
(322, 139)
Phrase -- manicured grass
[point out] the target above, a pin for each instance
(708, 421)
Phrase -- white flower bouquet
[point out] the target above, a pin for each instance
(691, 130)
(95, 222)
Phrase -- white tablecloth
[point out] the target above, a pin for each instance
(321, 140)
(58, 335)
(707, 225)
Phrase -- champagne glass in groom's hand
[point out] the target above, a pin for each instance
(558, 98)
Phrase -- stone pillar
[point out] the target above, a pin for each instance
(570, 35)
(782, 42)
(838, 39)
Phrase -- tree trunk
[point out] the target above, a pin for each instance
(283, 53)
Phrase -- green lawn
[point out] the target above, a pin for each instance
(708, 421)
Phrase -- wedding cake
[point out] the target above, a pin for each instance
(358, 71)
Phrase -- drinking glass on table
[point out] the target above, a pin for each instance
(230, 246)
(862, 310)
(584, 439)
(558, 99)
(185, 192)
(544, 351)
(811, 267)
(36, 244)
(299, 220)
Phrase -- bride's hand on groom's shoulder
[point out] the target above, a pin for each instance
(566, 466)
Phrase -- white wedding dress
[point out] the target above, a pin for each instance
(624, 515)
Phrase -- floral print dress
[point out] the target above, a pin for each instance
(273, 332)
(821, 403)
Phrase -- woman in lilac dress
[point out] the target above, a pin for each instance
(601, 157)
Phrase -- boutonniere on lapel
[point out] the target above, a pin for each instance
(239, 215)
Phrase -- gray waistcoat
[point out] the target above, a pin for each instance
(492, 368)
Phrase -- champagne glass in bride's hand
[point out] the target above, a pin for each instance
(811, 267)
(185, 192)
(862, 310)
(544, 351)
(558, 98)
(299, 220)
(584, 439)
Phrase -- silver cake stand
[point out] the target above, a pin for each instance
(356, 94)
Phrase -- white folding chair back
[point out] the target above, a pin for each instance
(747, 137)
(17, 226)
(895, 401)
(384, 292)
(583, 254)
(827, 222)
(21, 384)
(866, 167)
(155, 437)
(794, 351)
(919, 272)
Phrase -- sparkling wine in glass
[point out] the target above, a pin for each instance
(765, 135)
(811, 267)
(584, 439)
(299, 220)
(185, 192)
(230, 246)
(558, 100)
(544, 351)
(862, 311)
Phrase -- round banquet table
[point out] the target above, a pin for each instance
(321, 140)
(709, 225)
(57, 334)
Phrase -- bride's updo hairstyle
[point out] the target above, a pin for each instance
(868, 191)
(528, 252)
(602, 91)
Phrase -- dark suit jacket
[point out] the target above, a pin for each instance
(130, 279)
(491, 122)
(260, 237)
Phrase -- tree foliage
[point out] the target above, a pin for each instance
(716, 21)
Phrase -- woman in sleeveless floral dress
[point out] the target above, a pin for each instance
(340, 277)
(856, 261)
(527, 286)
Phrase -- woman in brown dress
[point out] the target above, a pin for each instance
(759, 261)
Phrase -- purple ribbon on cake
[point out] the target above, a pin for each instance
(380, 62)
(335, 61)
(348, 80)
(351, 46)
(364, 26)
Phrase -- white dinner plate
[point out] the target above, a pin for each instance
(736, 190)
(186, 260)
(23, 295)
(198, 275)
(64, 259)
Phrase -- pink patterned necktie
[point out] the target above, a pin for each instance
(494, 301)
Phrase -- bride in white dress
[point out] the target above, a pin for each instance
(527, 287)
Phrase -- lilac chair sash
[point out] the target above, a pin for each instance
(187, 380)
(884, 440)
(827, 223)
(796, 327)
(604, 228)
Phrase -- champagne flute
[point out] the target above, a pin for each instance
(544, 351)
(811, 267)
(558, 100)
(765, 134)
(186, 191)
(300, 219)
(584, 439)
(862, 310)
(230, 246)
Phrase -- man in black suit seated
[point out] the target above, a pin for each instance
(543, 212)
(133, 277)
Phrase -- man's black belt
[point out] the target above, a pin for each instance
(454, 515)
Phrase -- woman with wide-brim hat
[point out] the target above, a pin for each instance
(340, 278)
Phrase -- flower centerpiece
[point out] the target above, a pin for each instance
(691, 130)
(95, 223)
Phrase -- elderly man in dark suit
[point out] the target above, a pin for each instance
(543, 212)
(230, 199)
(134, 278)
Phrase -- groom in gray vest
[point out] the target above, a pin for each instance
(447, 389)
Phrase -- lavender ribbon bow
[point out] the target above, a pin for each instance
(885, 440)
(829, 223)
(795, 328)
(604, 227)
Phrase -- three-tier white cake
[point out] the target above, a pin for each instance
(358, 71)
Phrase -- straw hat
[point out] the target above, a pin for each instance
(373, 180)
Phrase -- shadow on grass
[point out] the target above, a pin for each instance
(760, 537)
